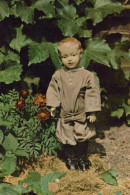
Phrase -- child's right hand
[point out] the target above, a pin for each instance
(53, 112)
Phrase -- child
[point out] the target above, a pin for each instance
(74, 90)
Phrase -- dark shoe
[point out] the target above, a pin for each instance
(84, 163)
(71, 163)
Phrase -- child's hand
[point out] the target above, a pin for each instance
(92, 118)
(53, 112)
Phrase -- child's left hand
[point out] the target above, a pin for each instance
(92, 118)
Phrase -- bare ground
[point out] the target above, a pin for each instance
(110, 149)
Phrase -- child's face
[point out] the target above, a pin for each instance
(70, 55)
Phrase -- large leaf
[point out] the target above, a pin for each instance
(101, 9)
(68, 12)
(110, 177)
(96, 49)
(38, 52)
(26, 13)
(33, 181)
(4, 9)
(52, 48)
(11, 72)
(20, 41)
(68, 27)
(8, 165)
(9, 189)
(46, 6)
(10, 143)
(67, 23)
(120, 50)
(51, 177)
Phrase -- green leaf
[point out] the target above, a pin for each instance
(26, 13)
(9, 189)
(68, 27)
(1, 57)
(51, 177)
(52, 48)
(38, 52)
(12, 56)
(9, 164)
(4, 9)
(113, 172)
(127, 109)
(63, 2)
(85, 33)
(96, 49)
(101, 9)
(46, 6)
(117, 113)
(1, 136)
(118, 193)
(68, 12)
(21, 152)
(33, 180)
(10, 143)
(11, 72)
(109, 178)
(20, 41)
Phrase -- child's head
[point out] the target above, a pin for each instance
(70, 51)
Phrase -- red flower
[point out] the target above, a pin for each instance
(40, 100)
(20, 104)
(24, 93)
(43, 115)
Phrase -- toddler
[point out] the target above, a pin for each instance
(75, 91)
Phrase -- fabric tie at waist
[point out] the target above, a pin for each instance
(79, 116)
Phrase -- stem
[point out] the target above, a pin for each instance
(126, 6)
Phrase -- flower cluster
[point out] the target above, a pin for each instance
(39, 100)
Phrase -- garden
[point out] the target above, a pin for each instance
(31, 158)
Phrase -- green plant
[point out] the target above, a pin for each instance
(10, 150)
(34, 131)
(35, 184)
(110, 177)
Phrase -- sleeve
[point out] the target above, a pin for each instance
(92, 95)
(53, 93)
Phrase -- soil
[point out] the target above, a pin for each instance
(110, 149)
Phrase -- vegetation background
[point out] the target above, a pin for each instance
(29, 33)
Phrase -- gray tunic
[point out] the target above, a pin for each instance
(76, 92)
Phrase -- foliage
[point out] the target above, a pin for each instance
(9, 158)
(110, 177)
(30, 31)
(34, 183)
(24, 134)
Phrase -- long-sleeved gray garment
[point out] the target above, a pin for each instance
(76, 92)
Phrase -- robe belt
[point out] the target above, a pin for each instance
(79, 116)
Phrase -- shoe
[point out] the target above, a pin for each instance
(72, 164)
(84, 163)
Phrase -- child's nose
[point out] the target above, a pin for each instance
(70, 59)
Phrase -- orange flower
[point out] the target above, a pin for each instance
(40, 100)
(43, 115)
(24, 93)
(20, 104)
(53, 186)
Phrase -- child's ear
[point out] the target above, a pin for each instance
(81, 55)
